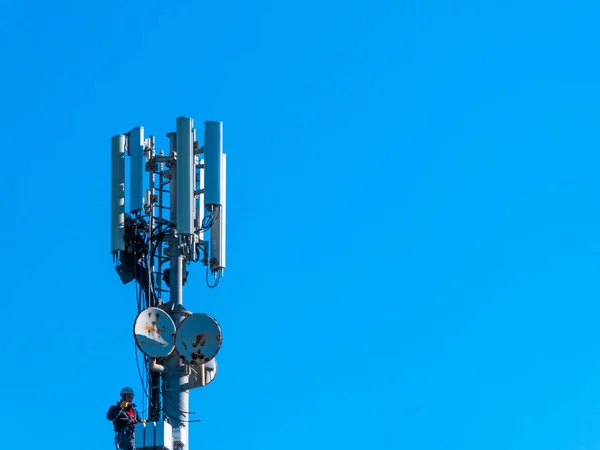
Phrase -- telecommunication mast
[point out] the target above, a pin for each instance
(168, 209)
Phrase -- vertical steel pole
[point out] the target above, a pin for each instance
(175, 398)
(154, 377)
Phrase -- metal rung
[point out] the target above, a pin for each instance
(162, 207)
(163, 290)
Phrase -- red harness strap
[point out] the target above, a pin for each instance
(130, 413)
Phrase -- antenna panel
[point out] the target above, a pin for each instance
(186, 171)
(213, 149)
(154, 333)
(136, 169)
(217, 232)
(198, 339)
(200, 201)
(117, 194)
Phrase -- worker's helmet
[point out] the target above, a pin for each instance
(127, 390)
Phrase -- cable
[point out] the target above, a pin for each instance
(217, 278)
(173, 406)
(176, 409)
(162, 222)
(181, 420)
(179, 410)
(140, 373)
(158, 237)
(199, 248)
(210, 219)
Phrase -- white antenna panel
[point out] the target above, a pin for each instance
(186, 171)
(200, 201)
(217, 232)
(136, 169)
(198, 339)
(154, 333)
(117, 194)
(213, 149)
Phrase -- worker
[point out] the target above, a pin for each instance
(124, 416)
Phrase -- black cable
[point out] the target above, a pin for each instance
(217, 278)
(139, 301)
(176, 409)
(137, 293)
(140, 373)
(161, 223)
(158, 238)
(210, 220)
(181, 420)
(200, 248)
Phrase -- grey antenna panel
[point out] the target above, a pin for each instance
(154, 333)
(198, 339)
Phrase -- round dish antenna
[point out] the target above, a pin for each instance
(154, 333)
(198, 339)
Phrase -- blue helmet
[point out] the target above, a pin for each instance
(127, 390)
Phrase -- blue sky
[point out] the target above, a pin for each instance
(412, 218)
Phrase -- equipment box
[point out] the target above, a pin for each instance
(154, 436)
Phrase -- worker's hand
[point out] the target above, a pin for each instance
(124, 405)
(143, 421)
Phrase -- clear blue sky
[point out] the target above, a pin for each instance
(413, 218)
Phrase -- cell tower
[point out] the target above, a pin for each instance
(175, 215)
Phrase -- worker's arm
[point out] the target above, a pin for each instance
(113, 412)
